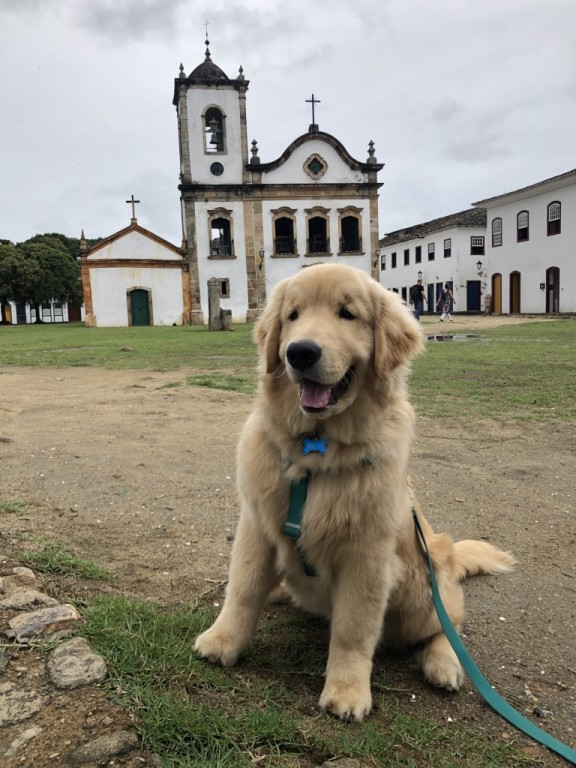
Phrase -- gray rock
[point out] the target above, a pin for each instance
(26, 599)
(17, 704)
(24, 573)
(20, 741)
(21, 577)
(44, 621)
(4, 660)
(109, 745)
(74, 664)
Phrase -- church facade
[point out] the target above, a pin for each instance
(246, 223)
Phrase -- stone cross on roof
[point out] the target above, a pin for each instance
(313, 101)
(133, 203)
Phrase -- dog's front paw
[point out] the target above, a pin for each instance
(280, 595)
(217, 646)
(440, 664)
(347, 701)
(443, 670)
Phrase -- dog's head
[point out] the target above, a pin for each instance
(332, 329)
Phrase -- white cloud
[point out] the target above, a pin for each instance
(463, 100)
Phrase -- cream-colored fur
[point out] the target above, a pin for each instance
(357, 529)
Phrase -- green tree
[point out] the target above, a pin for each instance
(59, 278)
(60, 242)
(18, 276)
(38, 271)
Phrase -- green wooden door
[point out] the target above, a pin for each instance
(139, 307)
(21, 314)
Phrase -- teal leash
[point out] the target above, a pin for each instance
(483, 687)
(298, 492)
(293, 524)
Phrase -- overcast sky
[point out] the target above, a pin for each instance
(463, 99)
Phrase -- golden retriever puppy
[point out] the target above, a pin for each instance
(334, 357)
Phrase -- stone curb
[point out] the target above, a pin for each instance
(70, 665)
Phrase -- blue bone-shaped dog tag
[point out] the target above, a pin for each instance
(314, 445)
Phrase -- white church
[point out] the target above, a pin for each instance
(246, 223)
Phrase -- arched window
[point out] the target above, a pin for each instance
(350, 225)
(522, 226)
(214, 130)
(221, 234)
(554, 218)
(318, 240)
(284, 229)
(496, 232)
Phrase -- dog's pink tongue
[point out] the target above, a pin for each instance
(314, 395)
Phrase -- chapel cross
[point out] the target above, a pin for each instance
(133, 203)
(313, 101)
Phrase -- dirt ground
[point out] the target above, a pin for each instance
(136, 470)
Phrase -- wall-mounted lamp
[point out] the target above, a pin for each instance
(262, 253)
(542, 286)
(479, 266)
(420, 274)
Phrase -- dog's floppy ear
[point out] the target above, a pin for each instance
(397, 334)
(267, 330)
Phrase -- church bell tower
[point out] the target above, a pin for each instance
(213, 141)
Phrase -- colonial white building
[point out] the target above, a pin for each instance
(50, 312)
(531, 247)
(247, 223)
(134, 277)
(450, 249)
(513, 253)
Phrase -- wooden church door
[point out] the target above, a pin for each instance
(139, 307)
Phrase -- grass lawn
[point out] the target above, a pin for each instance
(264, 711)
(524, 371)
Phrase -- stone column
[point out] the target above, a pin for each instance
(196, 315)
(89, 317)
(214, 316)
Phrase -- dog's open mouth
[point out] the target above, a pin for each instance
(317, 397)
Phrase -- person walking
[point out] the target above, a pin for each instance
(417, 298)
(445, 301)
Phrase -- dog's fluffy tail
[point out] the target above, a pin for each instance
(474, 557)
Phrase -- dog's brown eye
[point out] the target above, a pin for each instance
(345, 314)
(293, 315)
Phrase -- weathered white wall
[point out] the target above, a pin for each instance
(279, 267)
(134, 245)
(109, 294)
(292, 171)
(226, 99)
(223, 268)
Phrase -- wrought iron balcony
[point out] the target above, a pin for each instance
(284, 244)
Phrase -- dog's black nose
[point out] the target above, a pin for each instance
(303, 354)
